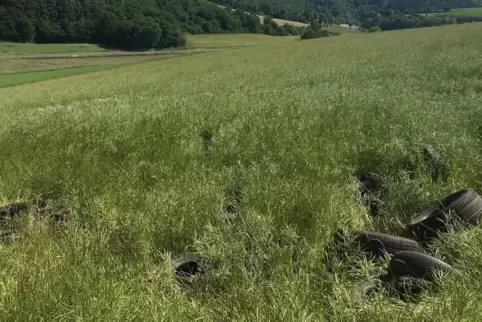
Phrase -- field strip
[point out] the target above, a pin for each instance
(107, 54)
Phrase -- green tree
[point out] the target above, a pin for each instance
(374, 29)
(25, 29)
(315, 25)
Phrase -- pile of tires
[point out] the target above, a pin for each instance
(411, 268)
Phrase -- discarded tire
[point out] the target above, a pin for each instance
(404, 288)
(418, 265)
(188, 264)
(14, 210)
(380, 244)
(465, 204)
(346, 244)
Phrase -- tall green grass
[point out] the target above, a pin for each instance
(290, 123)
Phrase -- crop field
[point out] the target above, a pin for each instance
(146, 157)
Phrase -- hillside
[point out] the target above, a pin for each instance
(248, 157)
(132, 25)
(279, 22)
(341, 11)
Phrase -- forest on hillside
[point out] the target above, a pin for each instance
(132, 24)
(146, 24)
(343, 11)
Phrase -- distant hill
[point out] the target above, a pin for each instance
(132, 24)
(280, 22)
(341, 11)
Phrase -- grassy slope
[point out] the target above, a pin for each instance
(9, 48)
(124, 146)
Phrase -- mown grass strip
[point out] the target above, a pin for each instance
(24, 78)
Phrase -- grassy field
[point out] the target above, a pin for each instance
(16, 65)
(233, 41)
(289, 122)
(10, 48)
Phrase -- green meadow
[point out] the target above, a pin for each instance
(147, 155)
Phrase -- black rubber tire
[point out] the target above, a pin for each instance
(466, 204)
(188, 264)
(418, 265)
(15, 209)
(381, 244)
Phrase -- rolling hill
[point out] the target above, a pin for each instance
(341, 10)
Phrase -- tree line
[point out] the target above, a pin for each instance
(125, 24)
(343, 11)
(375, 22)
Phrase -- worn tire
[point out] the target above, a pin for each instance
(466, 204)
(188, 264)
(418, 265)
(380, 244)
(15, 209)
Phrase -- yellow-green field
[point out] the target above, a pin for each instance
(147, 155)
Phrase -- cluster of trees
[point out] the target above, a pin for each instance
(145, 24)
(343, 11)
(123, 24)
(373, 21)
(311, 33)
(126, 24)
(296, 10)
